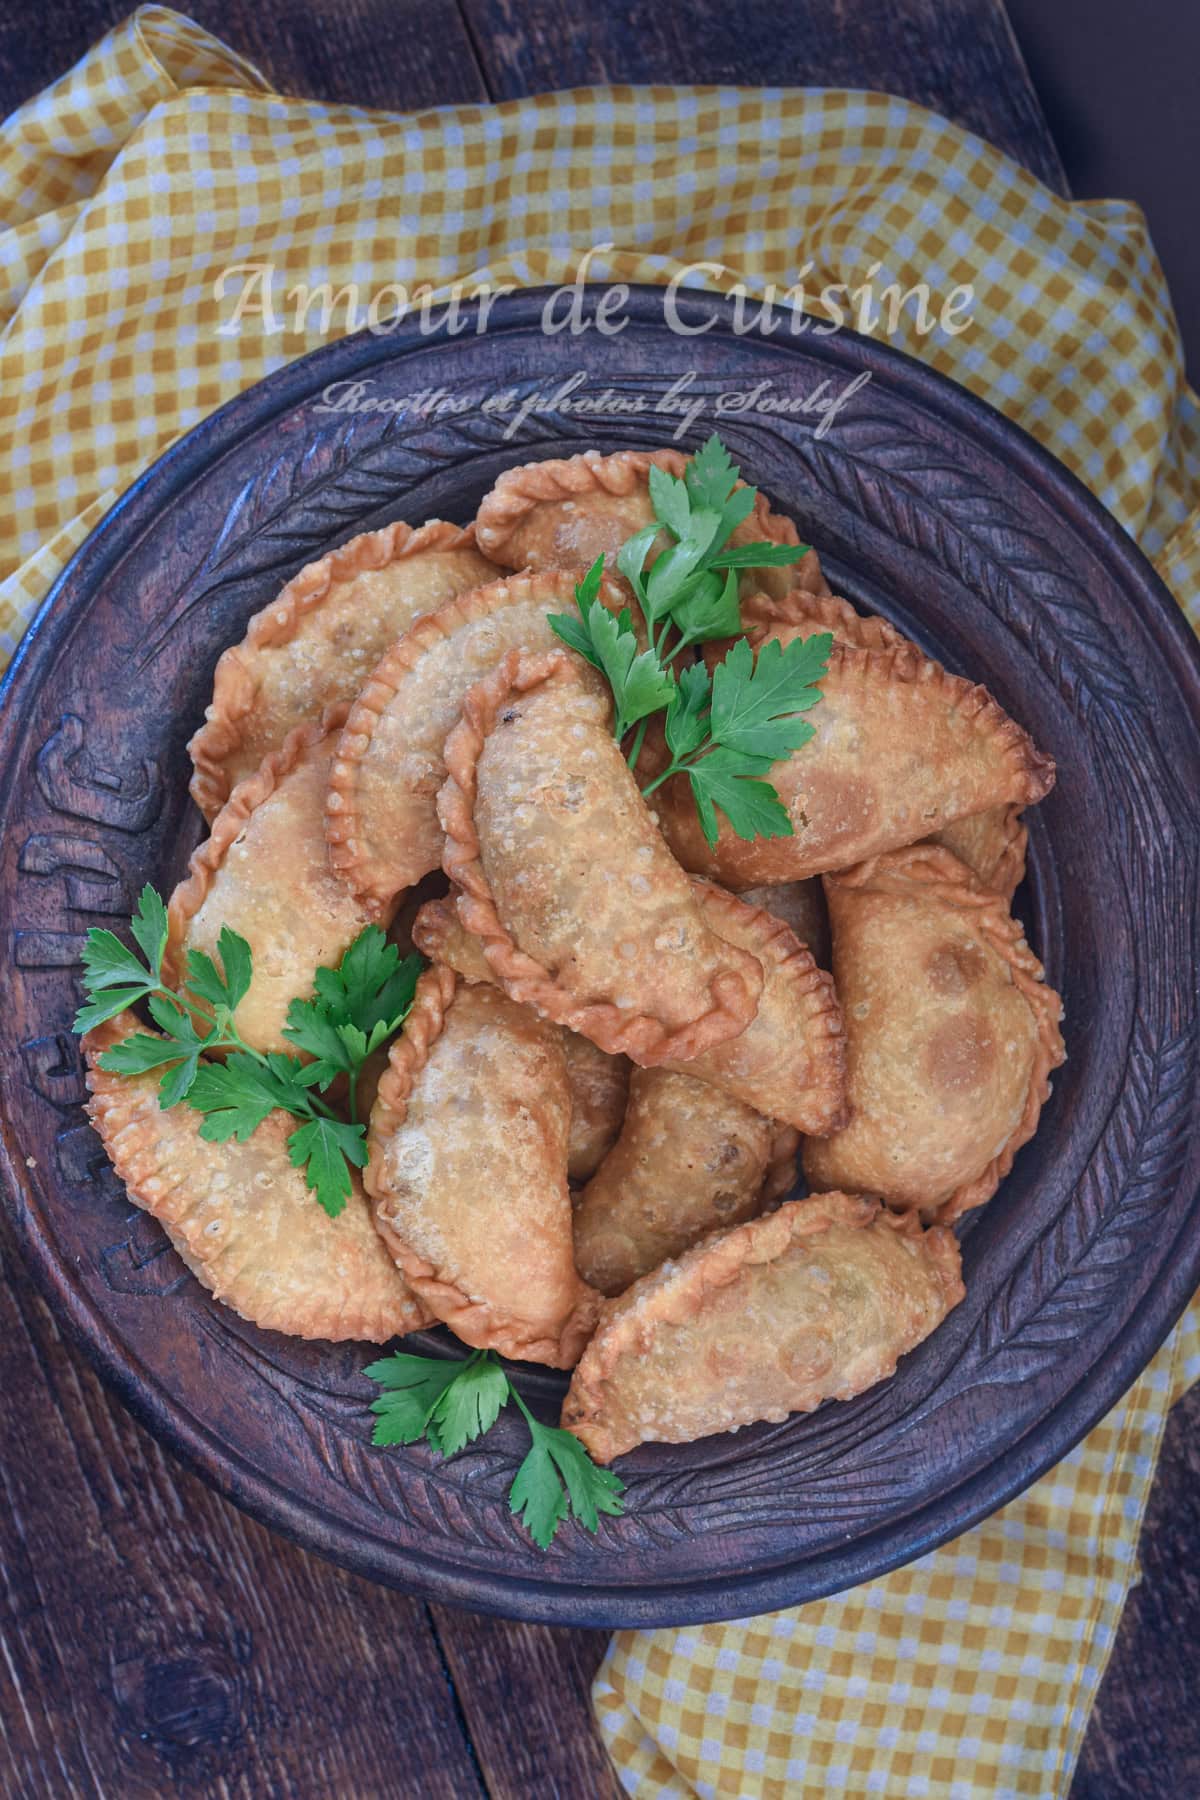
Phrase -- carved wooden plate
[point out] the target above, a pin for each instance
(926, 506)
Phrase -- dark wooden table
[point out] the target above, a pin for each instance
(157, 1641)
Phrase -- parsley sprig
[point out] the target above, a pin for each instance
(450, 1404)
(356, 1008)
(726, 729)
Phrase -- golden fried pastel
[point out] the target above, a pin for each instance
(381, 816)
(814, 1302)
(582, 912)
(563, 514)
(468, 1171)
(689, 1159)
(901, 749)
(264, 872)
(951, 1034)
(316, 643)
(241, 1216)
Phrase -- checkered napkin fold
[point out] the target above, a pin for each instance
(163, 159)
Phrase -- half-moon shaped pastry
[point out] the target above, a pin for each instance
(381, 817)
(951, 1034)
(902, 749)
(599, 1083)
(241, 1216)
(992, 843)
(563, 514)
(814, 1302)
(689, 1160)
(264, 872)
(582, 912)
(468, 1171)
(317, 642)
(801, 906)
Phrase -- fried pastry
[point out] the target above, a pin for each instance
(689, 1159)
(901, 749)
(317, 642)
(991, 843)
(468, 1171)
(599, 1088)
(563, 514)
(599, 1083)
(242, 1217)
(951, 1034)
(381, 819)
(816, 610)
(814, 1302)
(993, 846)
(263, 871)
(581, 910)
(789, 1062)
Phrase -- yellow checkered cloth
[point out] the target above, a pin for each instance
(161, 160)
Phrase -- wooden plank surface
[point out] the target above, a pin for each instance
(155, 1639)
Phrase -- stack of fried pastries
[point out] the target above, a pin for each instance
(626, 1043)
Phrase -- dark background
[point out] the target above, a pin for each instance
(155, 1641)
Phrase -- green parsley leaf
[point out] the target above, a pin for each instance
(470, 1404)
(149, 928)
(311, 1029)
(711, 476)
(414, 1385)
(707, 609)
(558, 1476)
(225, 986)
(687, 715)
(671, 501)
(322, 1148)
(371, 983)
(631, 557)
(755, 699)
(639, 683)
(450, 1404)
(137, 1054)
(235, 1096)
(759, 556)
(725, 778)
(107, 962)
(95, 1012)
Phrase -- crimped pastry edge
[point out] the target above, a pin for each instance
(349, 855)
(138, 1161)
(677, 1290)
(207, 859)
(518, 490)
(819, 612)
(640, 1036)
(475, 1321)
(824, 1029)
(235, 684)
(1031, 772)
(1008, 870)
(935, 869)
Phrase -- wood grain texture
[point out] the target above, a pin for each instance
(399, 54)
(157, 1639)
(957, 57)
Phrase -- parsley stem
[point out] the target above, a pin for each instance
(635, 750)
